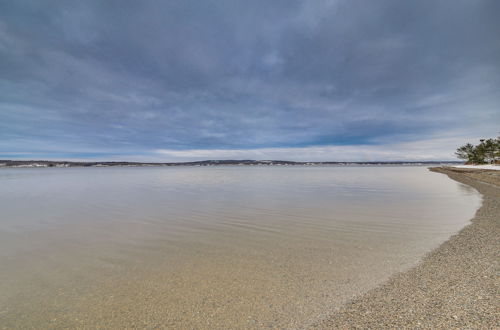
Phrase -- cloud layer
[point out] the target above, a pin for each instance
(125, 79)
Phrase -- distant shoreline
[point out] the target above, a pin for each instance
(454, 286)
(245, 162)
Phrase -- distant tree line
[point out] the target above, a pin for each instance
(486, 152)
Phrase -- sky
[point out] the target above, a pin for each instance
(183, 80)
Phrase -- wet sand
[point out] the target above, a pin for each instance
(455, 286)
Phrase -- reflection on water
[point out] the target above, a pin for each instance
(208, 247)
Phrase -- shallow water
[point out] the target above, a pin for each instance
(212, 247)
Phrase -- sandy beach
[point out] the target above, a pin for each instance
(455, 286)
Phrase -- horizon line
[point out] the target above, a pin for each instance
(226, 160)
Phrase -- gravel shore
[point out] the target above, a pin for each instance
(455, 286)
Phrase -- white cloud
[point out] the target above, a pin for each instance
(423, 150)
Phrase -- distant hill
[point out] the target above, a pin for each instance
(247, 162)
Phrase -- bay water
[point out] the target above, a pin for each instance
(223, 247)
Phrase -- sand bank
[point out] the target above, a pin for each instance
(455, 286)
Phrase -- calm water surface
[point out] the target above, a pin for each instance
(211, 247)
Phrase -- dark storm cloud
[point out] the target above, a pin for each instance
(128, 77)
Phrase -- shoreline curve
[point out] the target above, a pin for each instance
(454, 286)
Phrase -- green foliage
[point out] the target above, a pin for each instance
(488, 151)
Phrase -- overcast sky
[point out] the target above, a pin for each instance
(297, 80)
